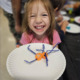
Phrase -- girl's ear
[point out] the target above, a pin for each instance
(56, 9)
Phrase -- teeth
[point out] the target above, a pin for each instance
(38, 27)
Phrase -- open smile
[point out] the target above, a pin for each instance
(39, 27)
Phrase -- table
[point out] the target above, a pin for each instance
(71, 49)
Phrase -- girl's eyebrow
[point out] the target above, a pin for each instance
(32, 13)
(36, 13)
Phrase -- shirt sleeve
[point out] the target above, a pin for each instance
(24, 39)
(56, 37)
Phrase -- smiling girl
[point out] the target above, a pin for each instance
(39, 23)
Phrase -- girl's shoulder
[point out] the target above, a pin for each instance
(25, 34)
(25, 38)
(55, 32)
(56, 37)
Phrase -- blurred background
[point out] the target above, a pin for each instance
(7, 44)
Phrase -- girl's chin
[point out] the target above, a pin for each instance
(39, 30)
(39, 33)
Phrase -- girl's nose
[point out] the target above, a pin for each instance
(38, 20)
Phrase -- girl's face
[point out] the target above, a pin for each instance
(38, 19)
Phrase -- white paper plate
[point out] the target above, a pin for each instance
(63, 12)
(66, 18)
(77, 19)
(37, 70)
(73, 28)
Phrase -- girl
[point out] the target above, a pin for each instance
(39, 23)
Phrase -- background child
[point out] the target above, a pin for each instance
(39, 23)
(58, 5)
(60, 23)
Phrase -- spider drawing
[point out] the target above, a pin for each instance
(39, 56)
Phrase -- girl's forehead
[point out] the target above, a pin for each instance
(38, 6)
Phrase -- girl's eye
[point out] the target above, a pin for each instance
(44, 14)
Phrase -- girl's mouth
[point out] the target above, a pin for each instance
(39, 27)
